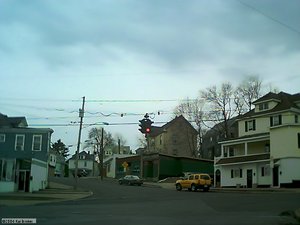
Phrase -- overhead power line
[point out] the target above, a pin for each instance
(270, 17)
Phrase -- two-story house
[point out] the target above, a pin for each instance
(23, 155)
(266, 152)
(176, 138)
(86, 162)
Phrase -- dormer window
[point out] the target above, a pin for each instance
(263, 106)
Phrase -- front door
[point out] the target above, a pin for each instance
(249, 178)
(24, 180)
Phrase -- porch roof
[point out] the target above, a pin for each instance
(243, 159)
(247, 138)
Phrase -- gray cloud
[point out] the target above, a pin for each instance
(175, 32)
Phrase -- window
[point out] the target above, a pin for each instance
(37, 143)
(231, 152)
(265, 171)
(263, 106)
(160, 139)
(85, 164)
(204, 177)
(296, 119)
(2, 138)
(250, 125)
(275, 120)
(19, 144)
(225, 152)
(191, 177)
(196, 177)
(298, 140)
(7, 170)
(237, 173)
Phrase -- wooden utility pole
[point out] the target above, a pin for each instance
(102, 153)
(81, 115)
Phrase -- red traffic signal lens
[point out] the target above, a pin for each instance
(148, 130)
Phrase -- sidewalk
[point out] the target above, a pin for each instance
(171, 186)
(55, 193)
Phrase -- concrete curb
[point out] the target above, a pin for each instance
(171, 186)
(60, 193)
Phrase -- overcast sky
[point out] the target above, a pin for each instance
(53, 52)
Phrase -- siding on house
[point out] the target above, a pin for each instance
(23, 155)
(267, 151)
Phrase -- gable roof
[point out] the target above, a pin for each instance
(6, 121)
(159, 130)
(84, 153)
(285, 101)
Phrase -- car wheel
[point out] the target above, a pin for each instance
(206, 189)
(193, 187)
(178, 187)
(120, 182)
(129, 183)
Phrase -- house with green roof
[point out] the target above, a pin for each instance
(266, 152)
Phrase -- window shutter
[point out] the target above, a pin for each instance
(280, 119)
(271, 121)
(246, 126)
(254, 125)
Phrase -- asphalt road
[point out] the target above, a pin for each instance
(115, 204)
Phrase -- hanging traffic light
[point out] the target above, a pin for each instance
(145, 125)
(142, 126)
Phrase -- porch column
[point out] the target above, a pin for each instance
(222, 151)
(246, 148)
(215, 176)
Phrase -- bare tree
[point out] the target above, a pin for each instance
(95, 136)
(142, 142)
(246, 93)
(120, 137)
(222, 107)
